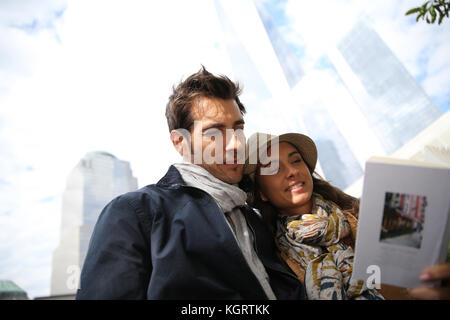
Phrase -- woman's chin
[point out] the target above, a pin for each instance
(300, 204)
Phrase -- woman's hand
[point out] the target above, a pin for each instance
(433, 273)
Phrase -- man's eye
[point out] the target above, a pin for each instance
(212, 132)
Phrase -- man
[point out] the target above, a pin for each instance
(190, 236)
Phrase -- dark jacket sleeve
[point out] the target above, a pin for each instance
(117, 265)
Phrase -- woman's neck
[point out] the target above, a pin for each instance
(305, 208)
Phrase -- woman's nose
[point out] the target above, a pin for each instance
(291, 172)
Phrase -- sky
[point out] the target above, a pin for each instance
(78, 76)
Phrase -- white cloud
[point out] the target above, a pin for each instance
(318, 25)
(96, 78)
(421, 47)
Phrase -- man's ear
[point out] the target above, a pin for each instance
(179, 140)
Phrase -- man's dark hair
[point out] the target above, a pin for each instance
(200, 84)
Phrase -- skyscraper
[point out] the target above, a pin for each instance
(272, 79)
(376, 106)
(392, 101)
(288, 61)
(96, 180)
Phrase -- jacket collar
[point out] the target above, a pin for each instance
(171, 178)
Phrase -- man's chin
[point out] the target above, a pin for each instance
(233, 173)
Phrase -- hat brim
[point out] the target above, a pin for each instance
(304, 144)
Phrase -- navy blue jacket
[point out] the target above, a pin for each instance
(171, 241)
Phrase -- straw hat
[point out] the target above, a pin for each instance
(304, 145)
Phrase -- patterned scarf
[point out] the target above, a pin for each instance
(314, 241)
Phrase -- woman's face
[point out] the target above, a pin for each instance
(291, 187)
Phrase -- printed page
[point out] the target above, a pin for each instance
(403, 221)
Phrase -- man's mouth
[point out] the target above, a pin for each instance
(229, 162)
(231, 165)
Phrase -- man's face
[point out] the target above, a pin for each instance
(216, 136)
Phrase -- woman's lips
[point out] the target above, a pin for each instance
(297, 187)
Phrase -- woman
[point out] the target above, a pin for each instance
(313, 222)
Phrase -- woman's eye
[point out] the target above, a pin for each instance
(270, 169)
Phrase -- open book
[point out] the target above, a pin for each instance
(404, 221)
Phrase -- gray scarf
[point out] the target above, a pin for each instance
(227, 196)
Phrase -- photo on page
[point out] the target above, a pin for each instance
(403, 219)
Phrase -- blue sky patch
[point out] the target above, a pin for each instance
(36, 25)
(47, 199)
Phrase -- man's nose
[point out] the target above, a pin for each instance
(235, 146)
(234, 141)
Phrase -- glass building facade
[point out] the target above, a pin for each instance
(394, 104)
(288, 61)
(378, 106)
(278, 107)
(96, 180)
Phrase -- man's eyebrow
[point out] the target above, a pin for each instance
(293, 153)
(214, 126)
(221, 125)
(239, 122)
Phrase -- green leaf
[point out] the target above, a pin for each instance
(411, 11)
(432, 11)
(433, 14)
(419, 16)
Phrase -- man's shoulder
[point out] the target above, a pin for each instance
(153, 196)
(150, 189)
(138, 197)
(142, 204)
